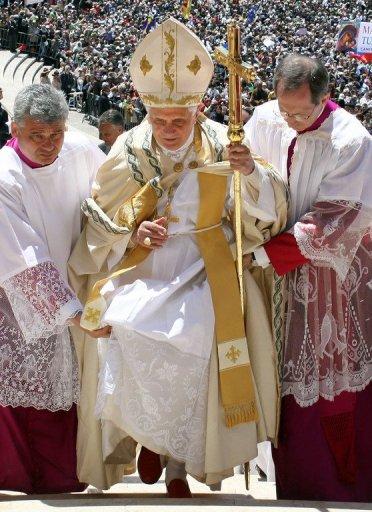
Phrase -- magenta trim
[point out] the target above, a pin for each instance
(13, 143)
(330, 107)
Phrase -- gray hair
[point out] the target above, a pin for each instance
(41, 102)
(296, 70)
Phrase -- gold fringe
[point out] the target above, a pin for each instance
(244, 413)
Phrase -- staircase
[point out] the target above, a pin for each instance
(19, 70)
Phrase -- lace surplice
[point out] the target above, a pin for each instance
(328, 339)
(38, 366)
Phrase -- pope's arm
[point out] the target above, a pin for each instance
(263, 191)
(102, 242)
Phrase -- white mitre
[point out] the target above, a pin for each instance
(171, 67)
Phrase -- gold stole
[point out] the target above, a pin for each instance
(237, 390)
(236, 383)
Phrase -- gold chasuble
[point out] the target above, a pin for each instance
(235, 373)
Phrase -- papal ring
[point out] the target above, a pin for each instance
(147, 241)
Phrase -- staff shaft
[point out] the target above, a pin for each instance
(236, 135)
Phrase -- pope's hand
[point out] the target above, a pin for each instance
(103, 332)
(241, 159)
(151, 234)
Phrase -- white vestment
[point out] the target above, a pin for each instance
(159, 380)
(40, 221)
(327, 340)
(155, 371)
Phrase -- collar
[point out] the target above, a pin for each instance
(329, 107)
(179, 153)
(13, 143)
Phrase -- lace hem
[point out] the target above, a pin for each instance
(35, 405)
(328, 342)
(157, 394)
(40, 370)
(41, 301)
(42, 374)
(295, 389)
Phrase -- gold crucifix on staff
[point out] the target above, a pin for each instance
(231, 59)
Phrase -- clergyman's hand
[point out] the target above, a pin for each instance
(240, 158)
(151, 234)
(103, 332)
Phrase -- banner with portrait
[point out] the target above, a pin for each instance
(355, 36)
(347, 36)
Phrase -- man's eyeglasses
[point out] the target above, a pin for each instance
(297, 117)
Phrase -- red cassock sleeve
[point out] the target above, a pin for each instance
(284, 253)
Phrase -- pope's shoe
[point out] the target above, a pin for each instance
(178, 488)
(149, 466)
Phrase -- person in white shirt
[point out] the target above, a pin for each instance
(45, 174)
(325, 351)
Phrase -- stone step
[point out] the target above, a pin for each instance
(133, 496)
(12, 86)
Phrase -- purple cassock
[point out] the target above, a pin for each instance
(325, 449)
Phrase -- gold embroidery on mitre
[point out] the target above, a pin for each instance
(151, 99)
(194, 65)
(145, 65)
(92, 315)
(233, 354)
(169, 63)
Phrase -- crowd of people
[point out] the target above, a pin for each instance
(89, 43)
(190, 372)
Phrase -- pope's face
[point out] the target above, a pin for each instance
(40, 142)
(171, 127)
(297, 107)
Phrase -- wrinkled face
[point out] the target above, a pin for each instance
(40, 142)
(297, 107)
(109, 133)
(171, 127)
